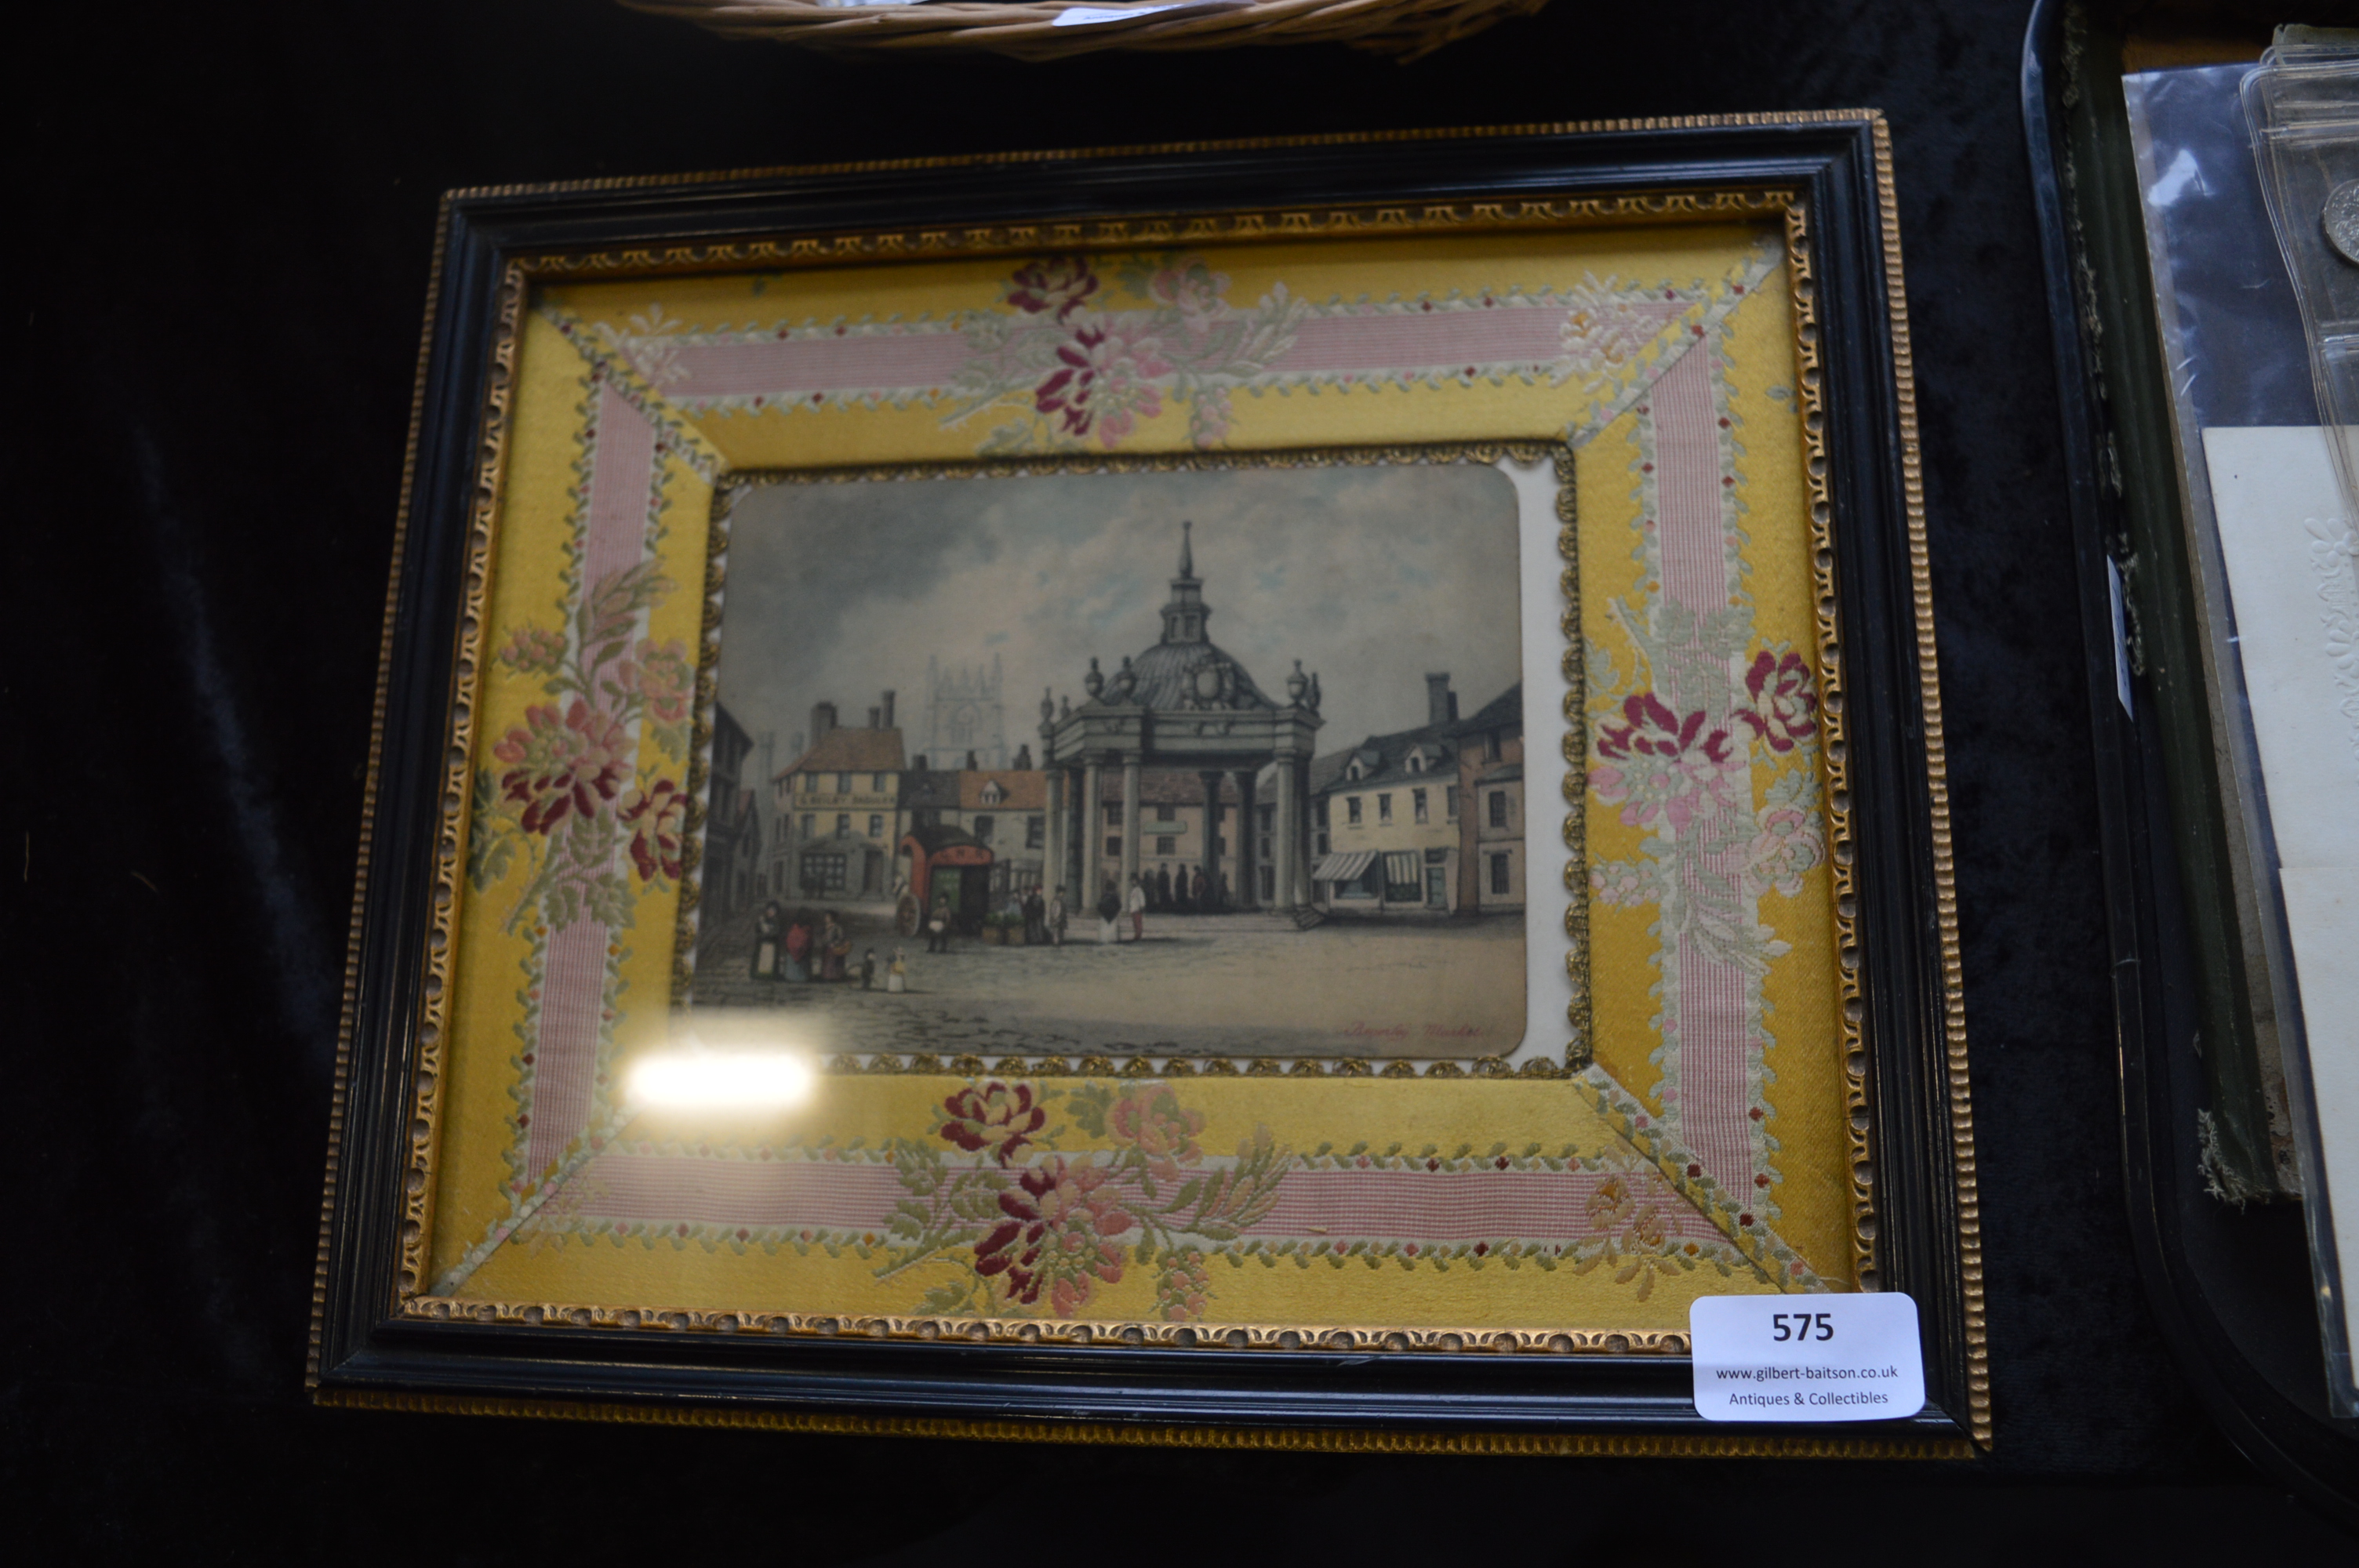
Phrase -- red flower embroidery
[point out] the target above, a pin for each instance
(1660, 764)
(557, 766)
(1654, 731)
(998, 1118)
(657, 814)
(1058, 1236)
(1104, 378)
(1052, 285)
(1781, 702)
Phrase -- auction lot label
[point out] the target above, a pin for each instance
(1815, 1357)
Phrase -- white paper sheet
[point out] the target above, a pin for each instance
(2289, 552)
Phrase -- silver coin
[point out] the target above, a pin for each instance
(2341, 219)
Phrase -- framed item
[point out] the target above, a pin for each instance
(2192, 448)
(1277, 794)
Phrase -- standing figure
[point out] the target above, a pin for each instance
(834, 947)
(1109, 911)
(769, 927)
(937, 926)
(1163, 889)
(897, 977)
(1036, 916)
(798, 946)
(868, 971)
(1136, 904)
(1056, 918)
(1199, 892)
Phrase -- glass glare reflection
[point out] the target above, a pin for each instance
(722, 1079)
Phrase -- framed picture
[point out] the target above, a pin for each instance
(1278, 794)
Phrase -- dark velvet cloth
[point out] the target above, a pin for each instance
(222, 221)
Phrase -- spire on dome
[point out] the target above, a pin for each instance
(1184, 616)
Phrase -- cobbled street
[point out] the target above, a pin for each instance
(1238, 985)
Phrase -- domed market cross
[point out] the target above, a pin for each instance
(1180, 705)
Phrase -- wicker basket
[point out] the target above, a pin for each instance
(1407, 28)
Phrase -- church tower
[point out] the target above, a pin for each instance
(963, 714)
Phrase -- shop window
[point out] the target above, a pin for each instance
(1404, 878)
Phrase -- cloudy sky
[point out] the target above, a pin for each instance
(1370, 576)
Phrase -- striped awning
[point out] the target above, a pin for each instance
(1345, 866)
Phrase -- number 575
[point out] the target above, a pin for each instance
(1786, 1325)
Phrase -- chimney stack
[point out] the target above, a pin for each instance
(877, 718)
(888, 710)
(973, 764)
(1024, 758)
(822, 720)
(1441, 706)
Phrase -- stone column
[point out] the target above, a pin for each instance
(1053, 852)
(1290, 830)
(1212, 862)
(1248, 844)
(1093, 828)
(1077, 842)
(1303, 837)
(1129, 823)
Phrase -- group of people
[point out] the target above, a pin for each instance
(1043, 914)
(797, 950)
(1189, 892)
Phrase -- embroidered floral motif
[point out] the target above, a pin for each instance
(1060, 1219)
(533, 651)
(1780, 702)
(657, 816)
(1048, 1228)
(997, 1120)
(1153, 1121)
(561, 789)
(1105, 377)
(1085, 372)
(1708, 742)
(1661, 763)
(1054, 286)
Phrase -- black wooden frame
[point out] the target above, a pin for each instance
(363, 1353)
